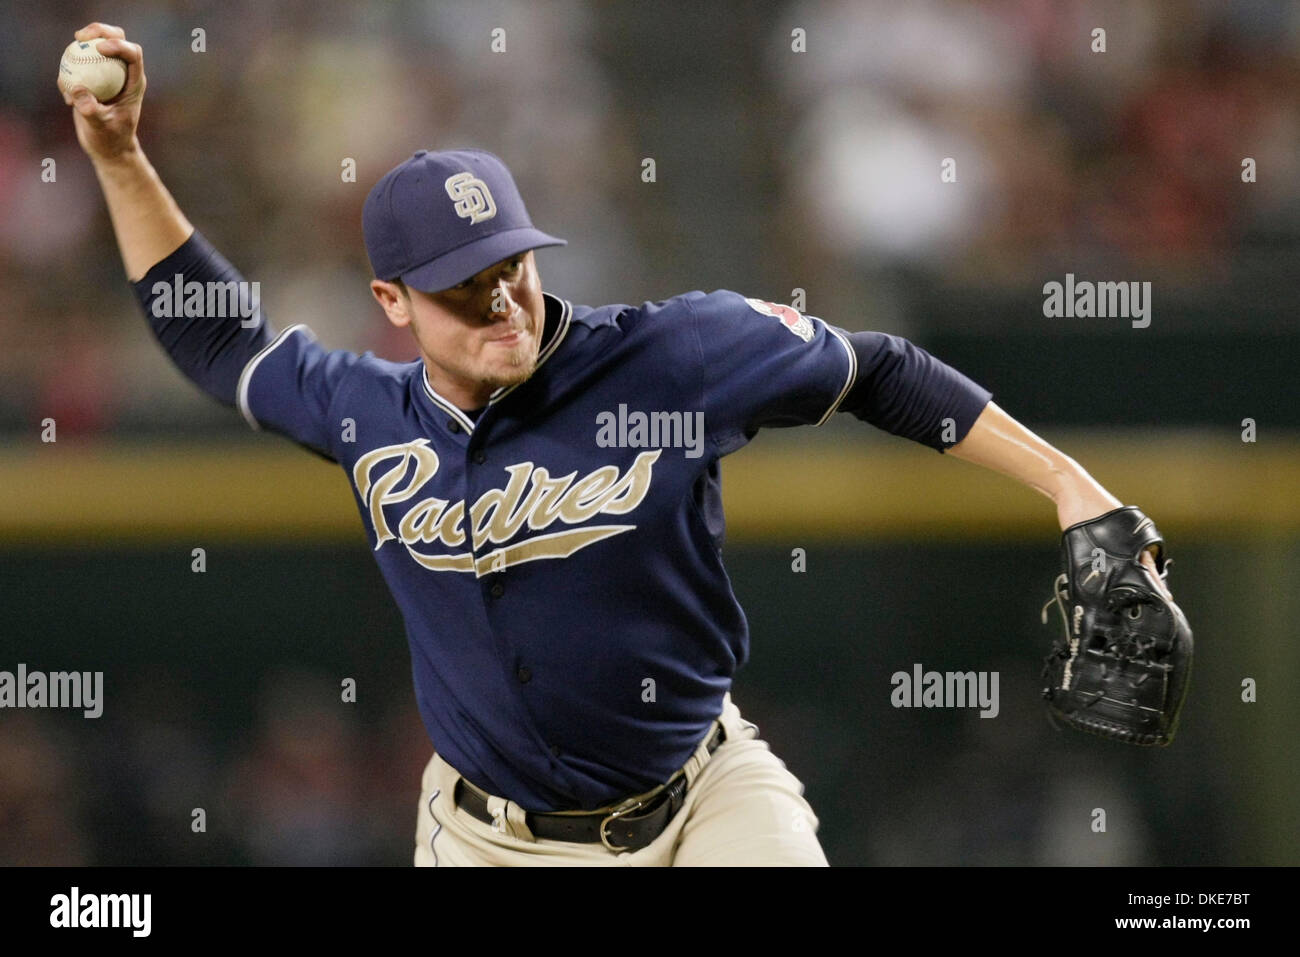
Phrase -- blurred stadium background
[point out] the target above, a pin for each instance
(775, 171)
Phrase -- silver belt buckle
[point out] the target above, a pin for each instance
(633, 804)
(624, 809)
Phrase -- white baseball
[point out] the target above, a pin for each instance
(84, 65)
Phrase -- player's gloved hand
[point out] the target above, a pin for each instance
(1081, 504)
(1121, 667)
(107, 130)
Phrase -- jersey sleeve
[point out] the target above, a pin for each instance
(283, 381)
(291, 386)
(204, 315)
(904, 390)
(766, 365)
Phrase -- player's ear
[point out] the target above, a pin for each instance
(394, 300)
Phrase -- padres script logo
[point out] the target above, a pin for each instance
(473, 198)
(531, 498)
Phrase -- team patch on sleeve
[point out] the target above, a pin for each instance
(792, 319)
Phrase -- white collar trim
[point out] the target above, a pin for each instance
(548, 350)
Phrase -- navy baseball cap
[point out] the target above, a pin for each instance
(440, 217)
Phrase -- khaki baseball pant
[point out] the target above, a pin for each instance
(742, 808)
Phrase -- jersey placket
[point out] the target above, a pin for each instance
(485, 473)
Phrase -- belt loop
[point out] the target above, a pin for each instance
(517, 822)
(496, 807)
(733, 722)
(696, 762)
(443, 774)
(509, 818)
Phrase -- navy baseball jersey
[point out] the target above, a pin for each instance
(557, 555)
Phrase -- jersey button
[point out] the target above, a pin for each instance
(497, 590)
(479, 457)
(453, 425)
(524, 675)
(555, 750)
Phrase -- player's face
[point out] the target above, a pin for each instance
(480, 335)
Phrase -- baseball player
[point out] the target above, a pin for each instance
(541, 492)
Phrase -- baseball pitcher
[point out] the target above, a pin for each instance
(541, 492)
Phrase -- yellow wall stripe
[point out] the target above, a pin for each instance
(130, 492)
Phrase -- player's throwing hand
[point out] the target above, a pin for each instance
(106, 130)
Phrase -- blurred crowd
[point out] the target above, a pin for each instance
(300, 782)
(1133, 154)
(774, 169)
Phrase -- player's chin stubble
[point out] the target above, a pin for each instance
(513, 368)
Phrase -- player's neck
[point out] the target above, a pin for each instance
(470, 398)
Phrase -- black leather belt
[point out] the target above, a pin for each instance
(627, 826)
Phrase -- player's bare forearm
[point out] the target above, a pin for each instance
(146, 220)
(999, 442)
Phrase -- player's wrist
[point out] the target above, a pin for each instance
(1077, 495)
(1083, 501)
(120, 157)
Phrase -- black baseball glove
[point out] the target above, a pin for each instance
(1120, 670)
